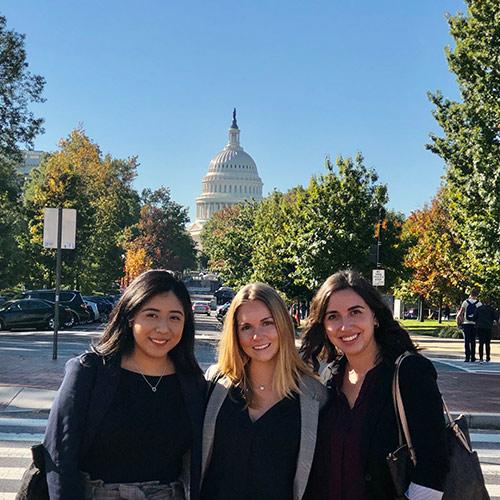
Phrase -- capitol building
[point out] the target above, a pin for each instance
(232, 178)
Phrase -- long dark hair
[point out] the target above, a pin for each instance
(392, 339)
(118, 338)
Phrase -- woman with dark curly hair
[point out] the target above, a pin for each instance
(351, 328)
(126, 423)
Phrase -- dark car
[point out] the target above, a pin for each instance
(222, 311)
(28, 313)
(104, 305)
(69, 298)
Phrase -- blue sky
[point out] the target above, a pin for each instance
(159, 79)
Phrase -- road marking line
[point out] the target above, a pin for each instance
(492, 469)
(493, 490)
(23, 422)
(484, 438)
(29, 438)
(15, 452)
(12, 472)
(8, 496)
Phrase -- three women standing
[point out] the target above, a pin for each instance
(128, 414)
(350, 323)
(261, 418)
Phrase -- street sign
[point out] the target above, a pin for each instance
(68, 228)
(378, 277)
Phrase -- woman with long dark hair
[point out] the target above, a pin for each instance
(126, 423)
(260, 424)
(352, 329)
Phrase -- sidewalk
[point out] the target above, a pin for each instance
(28, 385)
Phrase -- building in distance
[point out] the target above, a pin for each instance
(232, 178)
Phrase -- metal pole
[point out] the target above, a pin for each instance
(381, 215)
(378, 244)
(58, 281)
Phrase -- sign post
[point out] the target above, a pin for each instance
(59, 231)
(378, 277)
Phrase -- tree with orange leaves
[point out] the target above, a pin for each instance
(434, 256)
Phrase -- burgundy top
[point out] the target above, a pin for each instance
(338, 469)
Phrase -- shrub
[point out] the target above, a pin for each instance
(450, 332)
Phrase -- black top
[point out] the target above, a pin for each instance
(338, 462)
(253, 460)
(143, 435)
(485, 316)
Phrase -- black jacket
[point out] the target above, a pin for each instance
(84, 397)
(424, 411)
(485, 316)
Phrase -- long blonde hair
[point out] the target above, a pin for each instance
(233, 362)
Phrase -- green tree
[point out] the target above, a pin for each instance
(277, 227)
(337, 221)
(18, 127)
(162, 235)
(101, 191)
(470, 145)
(228, 240)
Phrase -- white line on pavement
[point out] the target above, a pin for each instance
(14, 452)
(29, 438)
(12, 472)
(8, 496)
(24, 422)
(484, 438)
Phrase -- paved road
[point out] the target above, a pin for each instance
(18, 434)
(27, 356)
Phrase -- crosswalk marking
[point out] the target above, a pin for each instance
(14, 452)
(8, 436)
(17, 457)
(23, 422)
(7, 496)
(484, 438)
(493, 490)
(11, 472)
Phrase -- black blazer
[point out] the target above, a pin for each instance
(424, 412)
(87, 390)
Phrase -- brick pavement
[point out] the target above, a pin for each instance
(468, 392)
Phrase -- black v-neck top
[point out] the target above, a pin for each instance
(253, 460)
(143, 435)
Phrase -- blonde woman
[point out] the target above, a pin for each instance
(259, 432)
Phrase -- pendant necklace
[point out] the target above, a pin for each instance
(151, 386)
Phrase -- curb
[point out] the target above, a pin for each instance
(489, 421)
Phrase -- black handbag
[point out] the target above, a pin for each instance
(34, 481)
(464, 480)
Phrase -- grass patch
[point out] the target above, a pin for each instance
(428, 327)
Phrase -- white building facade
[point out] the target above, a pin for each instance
(232, 178)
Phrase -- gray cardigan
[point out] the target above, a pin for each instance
(312, 397)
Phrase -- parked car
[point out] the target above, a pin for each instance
(69, 298)
(222, 311)
(201, 308)
(93, 309)
(27, 313)
(104, 305)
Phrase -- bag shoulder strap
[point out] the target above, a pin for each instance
(402, 422)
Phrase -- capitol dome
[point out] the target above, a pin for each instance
(232, 178)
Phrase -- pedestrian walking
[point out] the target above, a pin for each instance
(484, 318)
(303, 310)
(260, 424)
(351, 324)
(446, 312)
(128, 413)
(465, 320)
